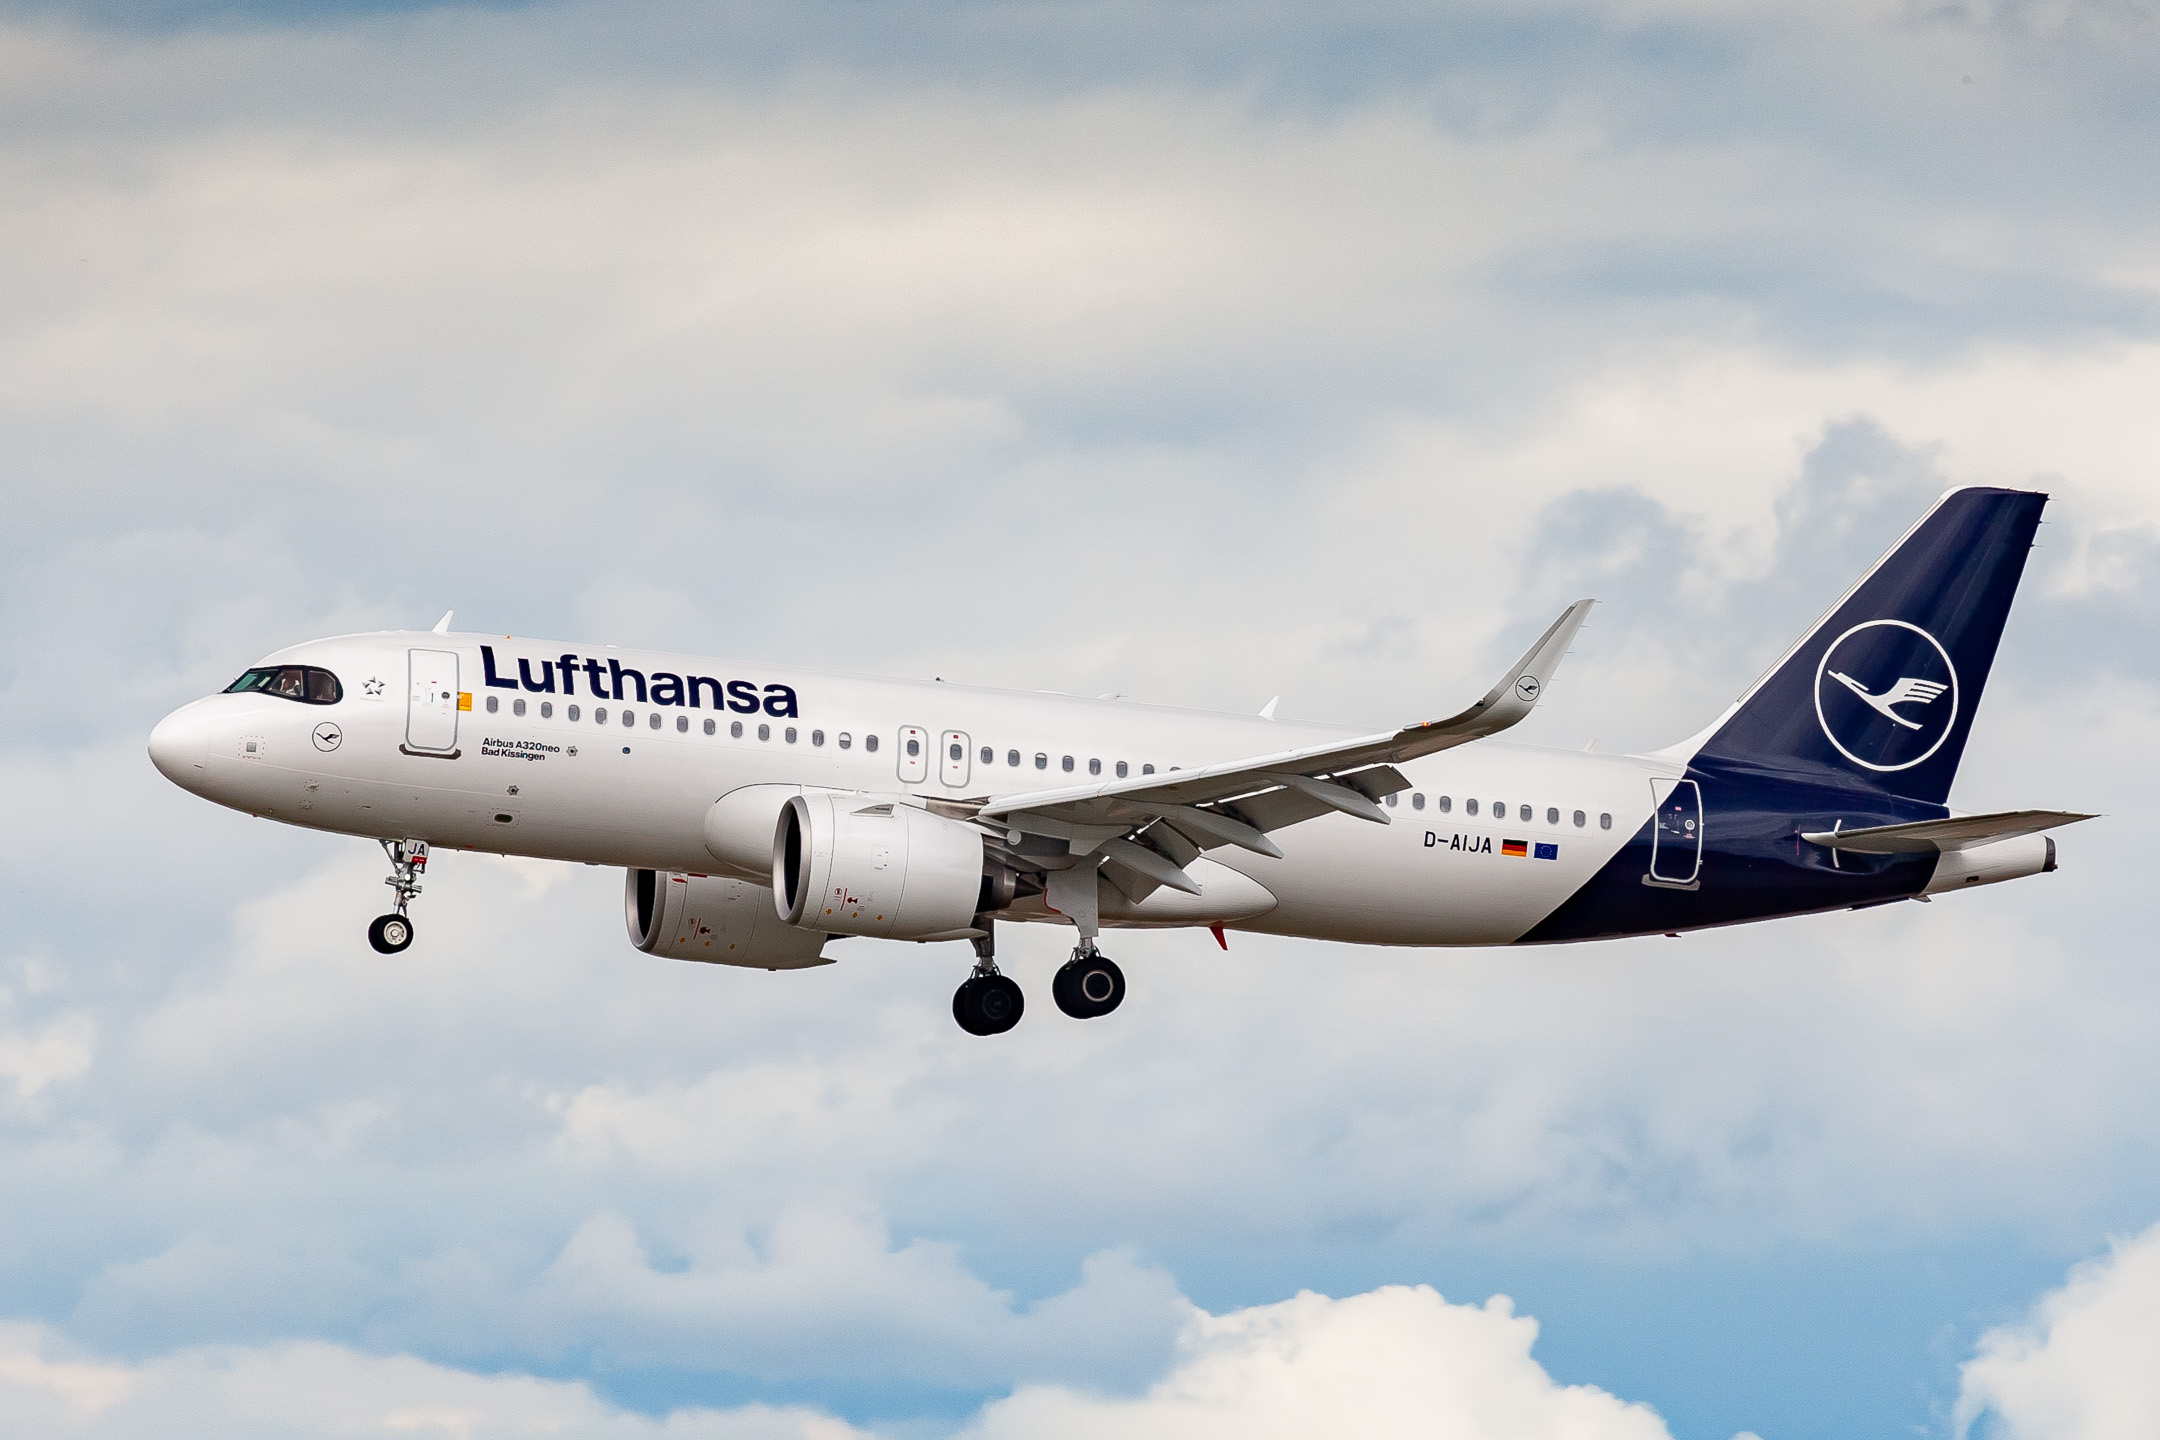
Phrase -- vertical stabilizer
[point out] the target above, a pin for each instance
(1881, 692)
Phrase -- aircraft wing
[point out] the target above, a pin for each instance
(1183, 812)
(1929, 837)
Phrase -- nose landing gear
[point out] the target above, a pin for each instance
(408, 860)
(1088, 985)
(987, 1003)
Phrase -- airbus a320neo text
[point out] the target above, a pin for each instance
(762, 813)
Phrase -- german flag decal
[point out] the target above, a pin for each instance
(1520, 849)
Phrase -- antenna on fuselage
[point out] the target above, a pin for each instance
(442, 626)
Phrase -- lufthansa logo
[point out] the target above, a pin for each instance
(328, 736)
(1527, 688)
(1886, 695)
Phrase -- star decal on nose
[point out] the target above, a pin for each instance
(373, 687)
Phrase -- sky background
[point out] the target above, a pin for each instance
(1197, 352)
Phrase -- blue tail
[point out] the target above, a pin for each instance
(1880, 694)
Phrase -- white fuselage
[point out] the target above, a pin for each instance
(633, 789)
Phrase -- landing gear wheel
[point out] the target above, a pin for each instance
(1088, 985)
(390, 933)
(988, 1004)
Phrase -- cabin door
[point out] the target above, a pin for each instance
(1676, 838)
(432, 700)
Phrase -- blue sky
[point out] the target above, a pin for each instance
(1201, 353)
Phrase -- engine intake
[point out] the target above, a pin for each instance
(714, 919)
(860, 865)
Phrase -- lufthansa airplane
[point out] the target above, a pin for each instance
(764, 813)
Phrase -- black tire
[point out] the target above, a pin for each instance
(963, 1007)
(1088, 988)
(390, 933)
(988, 1004)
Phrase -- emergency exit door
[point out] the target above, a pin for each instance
(431, 705)
(953, 757)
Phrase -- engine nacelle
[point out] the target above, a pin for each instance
(714, 919)
(861, 865)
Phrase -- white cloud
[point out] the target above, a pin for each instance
(1399, 1361)
(2081, 1366)
(299, 1391)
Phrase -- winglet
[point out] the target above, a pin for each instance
(1509, 701)
(442, 626)
(1267, 711)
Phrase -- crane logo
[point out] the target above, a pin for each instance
(1886, 695)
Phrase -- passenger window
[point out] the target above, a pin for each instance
(547, 709)
(517, 706)
(869, 743)
(682, 724)
(1012, 757)
(1469, 807)
(712, 727)
(1094, 767)
(629, 718)
(1552, 815)
(764, 732)
(735, 730)
(846, 740)
(1579, 818)
(654, 722)
(1523, 812)
(1042, 761)
(571, 712)
(1391, 802)
(599, 715)
(914, 747)
(955, 750)
(1147, 769)
(817, 738)
(989, 756)
(1066, 764)
(1446, 803)
(1417, 801)
(1604, 822)
(1121, 767)
(788, 734)
(493, 705)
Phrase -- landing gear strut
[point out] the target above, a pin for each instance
(408, 860)
(1088, 985)
(987, 1003)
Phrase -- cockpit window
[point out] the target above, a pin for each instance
(305, 683)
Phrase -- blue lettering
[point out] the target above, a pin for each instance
(487, 667)
(666, 688)
(568, 663)
(742, 697)
(718, 700)
(636, 677)
(780, 701)
(545, 684)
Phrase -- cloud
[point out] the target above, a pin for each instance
(306, 1390)
(1399, 1361)
(2080, 1366)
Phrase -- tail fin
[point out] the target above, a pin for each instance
(1881, 692)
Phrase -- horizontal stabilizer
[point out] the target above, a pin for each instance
(1930, 837)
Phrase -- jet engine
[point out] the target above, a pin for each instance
(862, 865)
(714, 919)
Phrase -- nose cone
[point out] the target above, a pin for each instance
(181, 743)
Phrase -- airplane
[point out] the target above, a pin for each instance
(762, 814)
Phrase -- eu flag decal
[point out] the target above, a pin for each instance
(1516, 848)
(1547, 852)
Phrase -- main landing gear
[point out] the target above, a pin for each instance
(408, 860)
(987, 1003)
(1088, 985)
